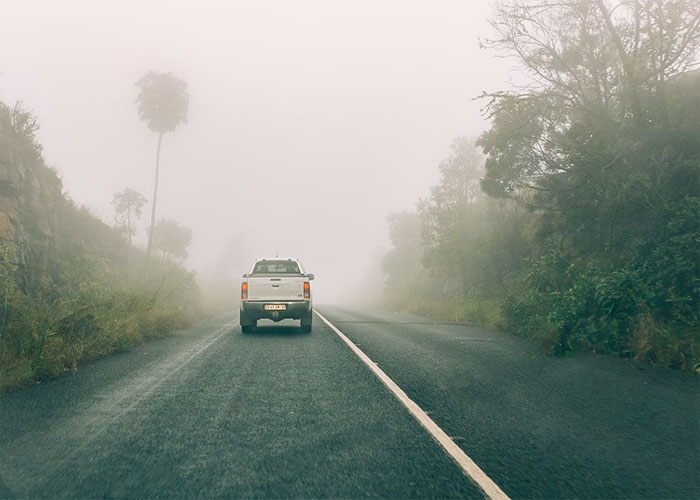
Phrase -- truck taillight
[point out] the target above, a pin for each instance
(244, 291)
(307, 290)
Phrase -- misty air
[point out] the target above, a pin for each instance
(344, 249)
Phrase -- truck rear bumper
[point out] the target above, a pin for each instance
(253, 311)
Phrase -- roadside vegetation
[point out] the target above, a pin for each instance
(72, 288)
(575, 219)
(94, 306)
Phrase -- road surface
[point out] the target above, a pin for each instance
(211, 412)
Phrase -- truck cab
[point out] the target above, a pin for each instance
(276, 289)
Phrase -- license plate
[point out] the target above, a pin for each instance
(275, 307)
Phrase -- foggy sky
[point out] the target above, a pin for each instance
(309, 121)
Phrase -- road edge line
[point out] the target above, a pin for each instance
(467, 465)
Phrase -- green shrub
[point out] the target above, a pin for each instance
(95, 306)
(661, 344)
(645, 306)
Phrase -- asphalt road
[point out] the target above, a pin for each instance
(211, 412)
(543, 427)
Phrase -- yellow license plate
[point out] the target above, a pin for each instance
(275, 307)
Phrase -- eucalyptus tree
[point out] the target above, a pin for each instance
(128, 206)
(596, 137)
(162, 101)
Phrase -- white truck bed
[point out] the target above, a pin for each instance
(275, 288)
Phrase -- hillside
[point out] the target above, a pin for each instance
(71, 288)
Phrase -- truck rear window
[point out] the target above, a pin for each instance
(276, 267)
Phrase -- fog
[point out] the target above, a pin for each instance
(309, 121)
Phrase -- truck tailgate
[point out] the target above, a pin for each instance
(283, 288)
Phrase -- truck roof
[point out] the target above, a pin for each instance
(298, 265)
(277, 258)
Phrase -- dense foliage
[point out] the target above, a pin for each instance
(595, 242)
(71, 288)
(92, 308)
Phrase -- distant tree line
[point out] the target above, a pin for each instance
(576, 217)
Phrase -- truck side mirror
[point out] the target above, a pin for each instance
(310, 276)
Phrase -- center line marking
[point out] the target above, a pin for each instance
(467, 465)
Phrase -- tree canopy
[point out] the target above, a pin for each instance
(162, 101)
(597, 139)
(128, 207)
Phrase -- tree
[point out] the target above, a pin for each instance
(602, 145)
(471, 242)
(128, 207)
(162, 101)
(402, 265)
(592, 141)
(445, 216)
(171, 239)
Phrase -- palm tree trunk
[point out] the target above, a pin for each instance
(128, 223)
(155, 198)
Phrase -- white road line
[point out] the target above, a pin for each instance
(467, 464)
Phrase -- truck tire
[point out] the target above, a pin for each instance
(306, 322)
(247, 324)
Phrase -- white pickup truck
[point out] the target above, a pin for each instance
(276, 289)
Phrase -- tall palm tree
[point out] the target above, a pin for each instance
(162, 103)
